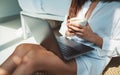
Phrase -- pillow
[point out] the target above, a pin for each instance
(56, 7)
(32, 6)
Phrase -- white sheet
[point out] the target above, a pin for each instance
(57, 7)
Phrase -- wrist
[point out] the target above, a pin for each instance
(97, 40)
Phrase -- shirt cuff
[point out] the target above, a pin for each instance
(63, 29)
(110, 47)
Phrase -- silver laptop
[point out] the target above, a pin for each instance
(65, 48)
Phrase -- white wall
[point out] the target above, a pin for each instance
(9, 8)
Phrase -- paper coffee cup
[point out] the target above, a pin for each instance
(82, 22)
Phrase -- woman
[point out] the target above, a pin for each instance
(101, 32)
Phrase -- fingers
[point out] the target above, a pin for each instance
(68, 33)
(73, 23)
(73, 30)
(74, 27)
(77, 29)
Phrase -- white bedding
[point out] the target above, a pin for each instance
(56, 7)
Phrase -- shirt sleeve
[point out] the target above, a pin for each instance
(63, 27)
(111, 45)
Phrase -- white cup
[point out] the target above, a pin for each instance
(82, 22)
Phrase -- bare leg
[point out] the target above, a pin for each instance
(11, 63)
(39, 59)
(29, 58)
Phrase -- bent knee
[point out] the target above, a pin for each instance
(32, 58)
(22, 49)
(36, 59)
(28, 63)
(19, 48)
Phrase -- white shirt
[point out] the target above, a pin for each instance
(105, 22)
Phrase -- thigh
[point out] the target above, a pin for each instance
(62, 68)
(40, 59)
(53, 65)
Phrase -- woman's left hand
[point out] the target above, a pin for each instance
(84, 32)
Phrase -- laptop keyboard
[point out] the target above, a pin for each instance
(72, 49)
(64, 49)
(67, 50)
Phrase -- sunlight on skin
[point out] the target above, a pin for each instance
(17, 60)
(3, 72)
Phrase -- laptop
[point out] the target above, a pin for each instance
(63, 47)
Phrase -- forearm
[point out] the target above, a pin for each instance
(97, 40)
